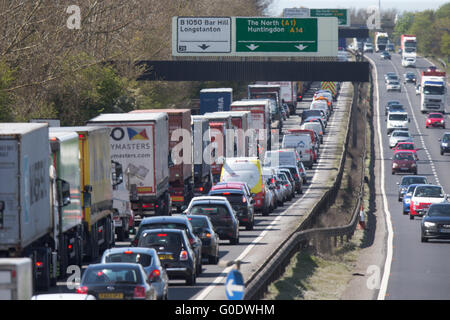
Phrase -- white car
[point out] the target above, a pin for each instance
(399, 135)
(393, 85)
(63, 296)
(425, 195)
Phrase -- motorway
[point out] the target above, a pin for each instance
(413, 270)
(255, 246)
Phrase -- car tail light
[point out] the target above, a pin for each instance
(128, 252)
(135, 242)
(191, 241)
(154, 275)
(82, 290)
(39, 264)
(183, 255)
(207, 234)
(296, 175)
(286, 185)
(201, 189)
(139, 292)
(147, 205)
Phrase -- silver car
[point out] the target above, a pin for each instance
(393, 85)
(399, 135)
(149, 259)
(270, 177)
(286, 185)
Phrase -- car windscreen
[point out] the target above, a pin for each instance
(282, 177)
(398, 117)
(435, 116)
(405, 146)
(411, 189)
(429, 192)
(439, 210)
(404, 156)
(446, 138)
(396, 107)
(273, 159)
(130, 257)
(161, 241)
(400, 134)
(111, 275)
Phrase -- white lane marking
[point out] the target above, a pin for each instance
(433, 168)
(221, 279)
(390, 238)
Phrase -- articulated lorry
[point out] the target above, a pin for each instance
(201, 139)
(98, 177)
(408, 45)
(381, 41)
(288, 94)
(221, 145)
(433, 91)
(260, 140)
(181, 184)
(215, 99)
(240, 122)
(139, 143)
(37, 218)
(273, 93)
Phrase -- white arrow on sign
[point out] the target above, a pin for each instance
(301, 47)
(231, 287)
(252, 47)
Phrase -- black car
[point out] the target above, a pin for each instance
(385, 55)
(445, 143)
(117, 281)
(242, 205)
(436, 222)
(298, 181)
(204, 229)
(173, 222)
(221, 213)
(174, 251)
(410, 77)
(394, 108)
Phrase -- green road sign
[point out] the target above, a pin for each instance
(341, 14)
(276, 35)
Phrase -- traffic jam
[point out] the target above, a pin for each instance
(419, 196)
(177, 187)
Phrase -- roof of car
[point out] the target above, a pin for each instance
(209, 198)
(229, 185)
(165, 230)
(134, 249)
(180, 219)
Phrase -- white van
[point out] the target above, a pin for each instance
(320, 105)
(282, 157)
(316, 127)
(397, 121)
(303, 144)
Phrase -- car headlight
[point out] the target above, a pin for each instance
(414, 165)
(444, 144)
(428, 224)
(395, 165)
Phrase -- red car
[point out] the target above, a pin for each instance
(404, 162)
(406, 146)
(435, 119)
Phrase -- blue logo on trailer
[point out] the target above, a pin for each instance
(234, 285)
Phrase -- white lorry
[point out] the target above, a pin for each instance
(139, 142)
(433, 91)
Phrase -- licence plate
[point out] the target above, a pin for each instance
(177, 198)
(110, 295)
(165, 256)
(117, 223)
(404, 169)
(445, 230)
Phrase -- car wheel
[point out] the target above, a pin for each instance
(393, 172)
(190, 278)
(399, 199)
(199, 267)
(265, 211)
(442, 153)
(213, 259)
(411, 217)
(249, 226)
(423, 239)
